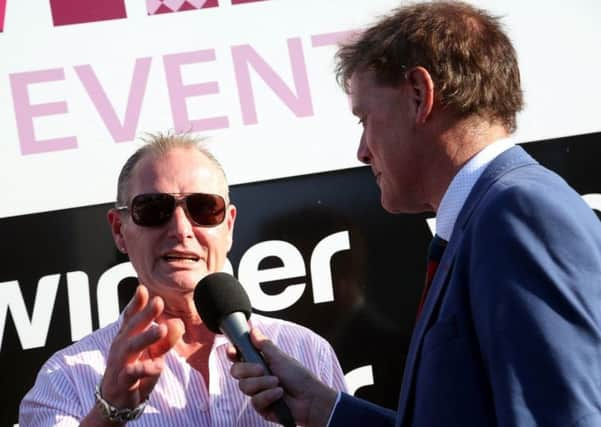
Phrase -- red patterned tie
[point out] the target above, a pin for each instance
(435, 251)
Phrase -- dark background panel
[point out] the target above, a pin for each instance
(376, 283)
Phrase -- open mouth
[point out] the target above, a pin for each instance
(177, 257)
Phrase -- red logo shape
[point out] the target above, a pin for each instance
(2, 12)
(67, 12)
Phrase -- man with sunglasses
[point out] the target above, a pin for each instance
(158, 364)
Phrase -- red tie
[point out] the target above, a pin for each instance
(435, 251)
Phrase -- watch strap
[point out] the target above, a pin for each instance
(112, 413)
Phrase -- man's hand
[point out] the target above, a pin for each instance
(310, 401)
(136, 357)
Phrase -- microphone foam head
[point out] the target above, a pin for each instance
(216, 296)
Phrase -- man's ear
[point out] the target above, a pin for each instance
(421, 89)
(114, 218)
(230, 219)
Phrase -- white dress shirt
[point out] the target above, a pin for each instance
(63, 393)
(461, 186)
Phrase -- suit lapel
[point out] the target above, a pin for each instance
(507, 161)
(442, 273)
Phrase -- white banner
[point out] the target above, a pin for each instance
(256, 76)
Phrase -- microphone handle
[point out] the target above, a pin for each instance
(237, 332)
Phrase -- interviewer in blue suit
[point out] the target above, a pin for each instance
(510, 330)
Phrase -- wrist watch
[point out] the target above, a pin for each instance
(115, 414)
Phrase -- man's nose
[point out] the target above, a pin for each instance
(180, 225)
(363, 153)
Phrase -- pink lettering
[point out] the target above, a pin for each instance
(25, 112)
(178, 92)
(120, 131)
(245, 56)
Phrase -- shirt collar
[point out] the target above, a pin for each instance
(461, 185)
(220, 339)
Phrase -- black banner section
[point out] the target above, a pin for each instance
(318, 250)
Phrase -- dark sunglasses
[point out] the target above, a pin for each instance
(156, 209)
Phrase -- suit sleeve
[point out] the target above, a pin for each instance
(535, 294)
(354, 412)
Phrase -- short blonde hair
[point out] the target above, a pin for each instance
(157, 144)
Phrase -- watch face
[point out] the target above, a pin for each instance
(104, 410)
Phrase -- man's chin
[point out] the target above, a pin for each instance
(402, 207)
(389, 206)
(185, 280)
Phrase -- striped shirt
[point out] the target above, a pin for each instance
(63, 393)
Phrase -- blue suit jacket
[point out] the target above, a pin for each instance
(510, 334)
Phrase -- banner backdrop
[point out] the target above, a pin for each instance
(81, 79)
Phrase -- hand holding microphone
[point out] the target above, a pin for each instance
(225, 308)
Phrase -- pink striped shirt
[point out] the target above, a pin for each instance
(63, 393)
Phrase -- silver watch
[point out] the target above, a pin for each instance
(115, 414)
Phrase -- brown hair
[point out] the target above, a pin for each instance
(157, 144)
(471, 60)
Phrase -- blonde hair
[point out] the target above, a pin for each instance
(157, 144)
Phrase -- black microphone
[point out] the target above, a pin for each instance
(225, 308)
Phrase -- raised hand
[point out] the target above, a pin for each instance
(135, 359)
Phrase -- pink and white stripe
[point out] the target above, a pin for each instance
(64, 390)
